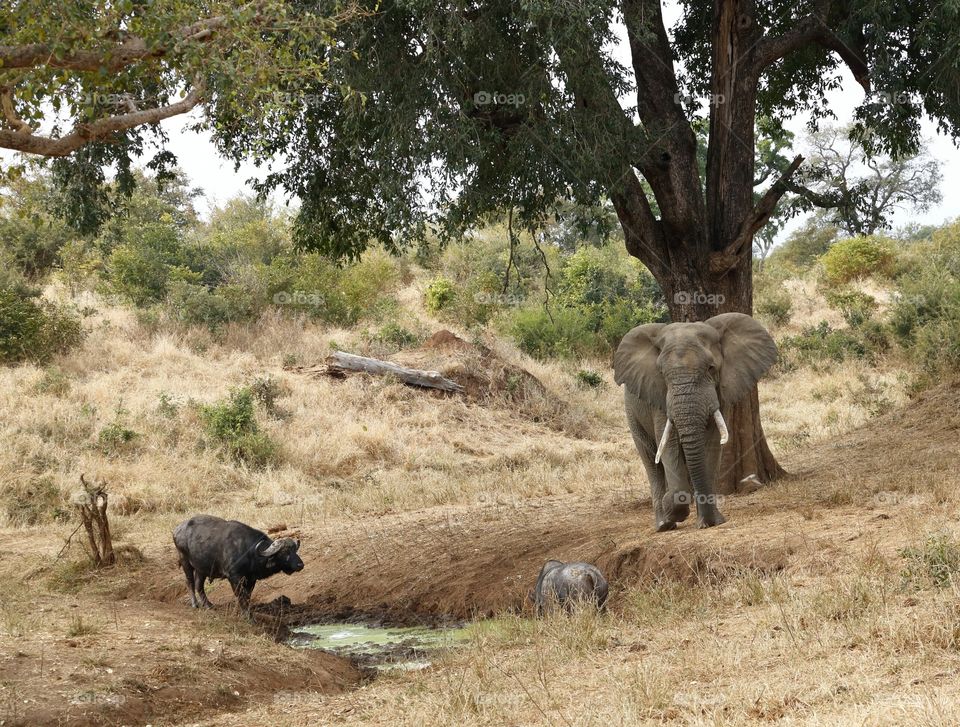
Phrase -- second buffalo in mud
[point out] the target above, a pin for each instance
(567, 585)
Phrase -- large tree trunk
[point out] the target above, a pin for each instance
(694, 293)
(700, 248)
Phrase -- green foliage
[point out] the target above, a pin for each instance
(925, 319)
(34, 502)
(804, 246)
(395, 336)
(932, 564)
(856, 307)
(820, 343)
(589, 379)
(773, 304)
(141, 268)
(552, 333)
(232, 423)
(35, 330)
(858, 257)
(266, 390)
(439, 294)
(600, 296)
(53, 382)
(115, 437)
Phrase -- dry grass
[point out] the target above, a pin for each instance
(836, 638)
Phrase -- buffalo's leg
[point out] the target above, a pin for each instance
(188, 572)
(243, 589)
(198, 580)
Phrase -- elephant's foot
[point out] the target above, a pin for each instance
(710, 519)
(665, 525)
(676, 505)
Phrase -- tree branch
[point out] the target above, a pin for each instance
(95, 130)
(114, 58)
(813, 28)
(725, 260)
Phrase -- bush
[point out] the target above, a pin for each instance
(553, 333)
(440, 293)
(855, 307)
(589, 379)
(140, 269)
(804, 246)
(114, 438)
(925, 319)
(822, 343)
(932, 564)
(32, 330)
(774, 305)
(395, 336)
(233, 424)
(193, 304)
(858, 257)
(33, 244)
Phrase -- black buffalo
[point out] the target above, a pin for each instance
(567, 584)
(210, 547)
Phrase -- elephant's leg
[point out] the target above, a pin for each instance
(647, 448)
(677, 498)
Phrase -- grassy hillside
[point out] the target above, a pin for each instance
(183, 378)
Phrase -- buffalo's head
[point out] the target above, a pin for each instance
(281, 555)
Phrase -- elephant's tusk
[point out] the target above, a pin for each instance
(721, 426)
(663, 441)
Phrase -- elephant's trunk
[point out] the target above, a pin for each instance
(691, 422)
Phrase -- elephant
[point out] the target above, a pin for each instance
(680, 380)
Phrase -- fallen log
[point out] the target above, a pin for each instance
(340, 363)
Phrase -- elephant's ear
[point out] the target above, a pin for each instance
(635, 364)
(748, 353)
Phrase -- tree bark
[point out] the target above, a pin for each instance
(700, 249)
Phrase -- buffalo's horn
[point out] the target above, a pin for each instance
(721, 426)
(663, 441)
(275, 547)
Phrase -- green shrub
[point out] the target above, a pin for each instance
(232, 423)
(774, 305)
(440, 293)
(140, 269)
(822, 343)
(33, 243)
(115, 437)
(932, 564)
(858, 257)
(855, 307)
(35, 330)
(589, 379)
(53, 382)
(804, 246)
(193, 304)
(266, 390)
(396, 336)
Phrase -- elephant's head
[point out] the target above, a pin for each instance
(692, 371)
